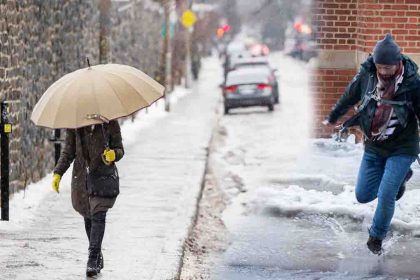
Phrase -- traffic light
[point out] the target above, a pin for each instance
(220, 32)
(226, 27)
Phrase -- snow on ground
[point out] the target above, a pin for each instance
(23, 205)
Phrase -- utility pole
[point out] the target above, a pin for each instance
(169, 14)
(188, 36)
(188, 58)
(189, 25)
(104, 30)
(6, 129)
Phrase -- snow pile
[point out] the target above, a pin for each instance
(23, 205)
(318, 193)
(292, 200)
(332, 148)
(320, 182)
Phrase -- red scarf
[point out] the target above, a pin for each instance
(385, 89)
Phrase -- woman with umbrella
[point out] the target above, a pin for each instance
(87, 103)
(85, 146)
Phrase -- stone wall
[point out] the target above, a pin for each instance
(40, 41)
(136, 38)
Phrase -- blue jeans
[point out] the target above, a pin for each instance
(380, 177)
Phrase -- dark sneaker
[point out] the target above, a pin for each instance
(402, 187)
(374, 245)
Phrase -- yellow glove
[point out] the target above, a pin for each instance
(56, 182)
(109, 156)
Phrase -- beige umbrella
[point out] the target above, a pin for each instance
(95, 94)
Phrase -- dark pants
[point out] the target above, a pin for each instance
(95, 229)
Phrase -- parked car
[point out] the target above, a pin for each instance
(232, 58)
(304, 50)
(235, 46)
(262, 64)
(248, 87)
(251, 61)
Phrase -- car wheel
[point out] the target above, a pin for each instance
(271, 107)
(226, 110)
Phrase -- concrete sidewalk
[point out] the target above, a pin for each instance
(161, 176)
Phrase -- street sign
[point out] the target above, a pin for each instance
(171, 31)
(188, 18)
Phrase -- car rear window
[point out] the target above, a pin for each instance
(259, 67)
(241, 64)
(246, 77)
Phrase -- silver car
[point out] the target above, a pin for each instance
(248, 87)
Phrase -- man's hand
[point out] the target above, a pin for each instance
(335, 126)
(326, 122)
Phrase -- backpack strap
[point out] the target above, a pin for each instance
(367, 96)
(106, 137)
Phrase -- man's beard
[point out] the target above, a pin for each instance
(388, 78)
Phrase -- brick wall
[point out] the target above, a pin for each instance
(347, 31)
(401, 17)
(336, 23)
(327, 86)
(336, 26)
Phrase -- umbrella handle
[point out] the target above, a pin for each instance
(104, 120)
(97, 117)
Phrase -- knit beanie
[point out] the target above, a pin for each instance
(387, 51)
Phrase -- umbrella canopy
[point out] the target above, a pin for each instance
(95, 94)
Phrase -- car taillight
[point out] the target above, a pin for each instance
(264, 86)
(230, 89)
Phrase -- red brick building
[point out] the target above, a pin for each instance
(347, 31)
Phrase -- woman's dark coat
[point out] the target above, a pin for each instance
(95, 146)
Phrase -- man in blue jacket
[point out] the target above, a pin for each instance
(387, 91)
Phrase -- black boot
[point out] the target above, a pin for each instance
(95, 261)
(375, 245)
(88, 227)
(402, 187)
(92, 264)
